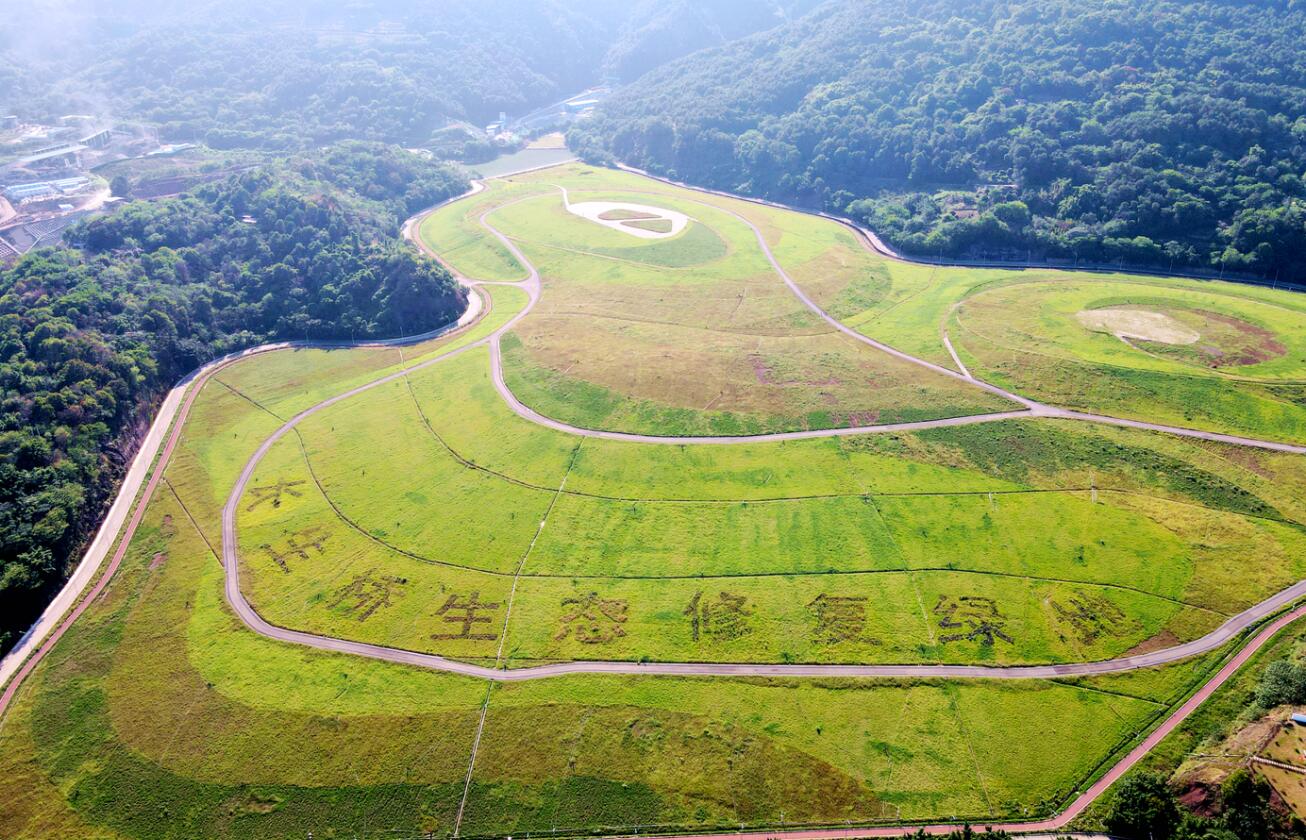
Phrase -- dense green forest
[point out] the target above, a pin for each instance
(1158, 133)
(92, 335)
(659, 31)
(289, 74)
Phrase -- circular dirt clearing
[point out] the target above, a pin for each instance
(1142, 324)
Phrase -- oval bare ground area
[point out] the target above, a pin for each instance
(1143, 324)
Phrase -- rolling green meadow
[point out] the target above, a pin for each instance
(424, 514)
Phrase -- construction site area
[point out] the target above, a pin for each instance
(47, 174)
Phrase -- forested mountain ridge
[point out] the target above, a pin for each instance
(285, 74)
(1160, 133)
(659, 31)
(92, 336)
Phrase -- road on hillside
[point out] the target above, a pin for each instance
(176, 406)
(1211, 641)
(180, 412)
(1031, 408)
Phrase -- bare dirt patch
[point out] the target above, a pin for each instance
(1143, 324)
(1161, 641)
(635, 219)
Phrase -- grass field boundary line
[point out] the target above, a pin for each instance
(630, 319)
(906, 494)
(1120, 491)
(193, 521)
(970, 746)
(521, 564)
(239, 393)
(471, 762)
(1095, 690)
(352, 524)
(906, 567)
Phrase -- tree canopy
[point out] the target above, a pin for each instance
(1157, 133)
(91, 336)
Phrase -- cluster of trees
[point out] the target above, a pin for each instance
(1283, 683)
(1167, 132)
(91, 336)
(1146, 807)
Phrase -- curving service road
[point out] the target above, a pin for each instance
(177, 405)
(1229, 630)
(172, 414)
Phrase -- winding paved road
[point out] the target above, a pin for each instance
(176, 408)
(1227, 631)
(1031, 408)
(20, 661)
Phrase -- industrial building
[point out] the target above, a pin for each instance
(53, 156)
(98, 140)
(46, 189)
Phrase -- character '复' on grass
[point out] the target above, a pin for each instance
(839, 618)
(466, 611)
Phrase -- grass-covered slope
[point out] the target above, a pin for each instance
(159, 715)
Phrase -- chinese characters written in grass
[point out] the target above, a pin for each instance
(592, 620)
(722, 618)
(467, 613)
(297, 547)
(367, 593)
(971, 618)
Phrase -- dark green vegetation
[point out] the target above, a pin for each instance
(91, 336)
(283, 74)
(1146, 807)
(1161, 134)
(1022, 452)
(1195, 785)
